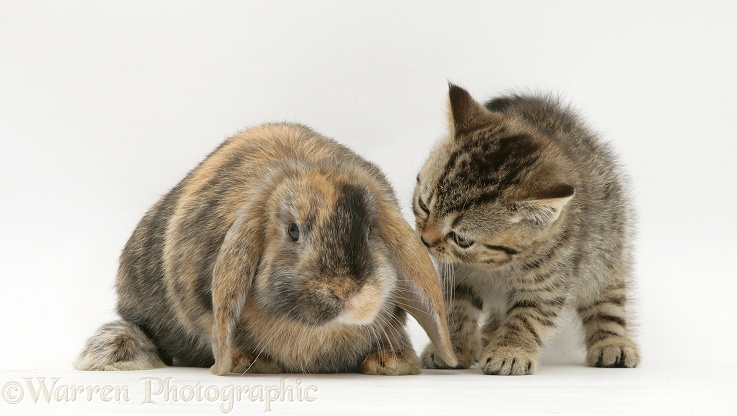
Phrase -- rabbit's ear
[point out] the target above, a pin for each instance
(419, 290)
(234, 270)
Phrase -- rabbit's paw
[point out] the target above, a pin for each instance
(387, 363)
(247, 363)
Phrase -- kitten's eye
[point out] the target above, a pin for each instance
(461, 241)
(423, 206)
(293, 231)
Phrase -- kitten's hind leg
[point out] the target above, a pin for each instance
(605, 324)
(117, 346)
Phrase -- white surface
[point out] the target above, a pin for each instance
(653, 390)
(104, 106)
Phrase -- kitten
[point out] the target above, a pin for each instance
(527, 213)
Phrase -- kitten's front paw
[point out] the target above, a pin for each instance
(430, 359)
(615, 352)
(386, 363)
(506, 361)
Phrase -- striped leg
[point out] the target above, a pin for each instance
(492, 324)
(605, 324)
(463, 312)
(514, 347)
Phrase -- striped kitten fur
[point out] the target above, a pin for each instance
(527, 213)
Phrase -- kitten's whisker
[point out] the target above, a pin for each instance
(391, 347)
(411, 309)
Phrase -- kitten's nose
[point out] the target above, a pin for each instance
(431, 235)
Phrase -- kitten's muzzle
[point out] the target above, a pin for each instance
(431, 239)
(431, 235)
(422, 237)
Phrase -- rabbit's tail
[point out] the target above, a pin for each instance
(119, 345)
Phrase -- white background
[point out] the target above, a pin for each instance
(104, 106)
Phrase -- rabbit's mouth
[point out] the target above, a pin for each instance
(324, 306)
(361, 308)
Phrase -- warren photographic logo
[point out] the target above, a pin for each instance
(158, 392)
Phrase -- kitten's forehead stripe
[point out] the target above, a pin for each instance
(488, 166)
(456, 221)
(430, 196)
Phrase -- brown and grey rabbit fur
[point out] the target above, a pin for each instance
(283, 251)
(527, 213)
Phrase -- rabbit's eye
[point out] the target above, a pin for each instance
(293, 231)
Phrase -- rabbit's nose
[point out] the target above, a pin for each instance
(343, 303)
(338, 298)
(341, 299)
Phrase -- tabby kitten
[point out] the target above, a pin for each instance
(527, 213)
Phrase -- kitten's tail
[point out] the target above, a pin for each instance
(119, 345)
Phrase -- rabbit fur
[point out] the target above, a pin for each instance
(283, 251)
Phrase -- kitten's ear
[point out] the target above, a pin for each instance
(467, 114)
(546, 208)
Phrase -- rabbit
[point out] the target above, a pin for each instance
(282, 251)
